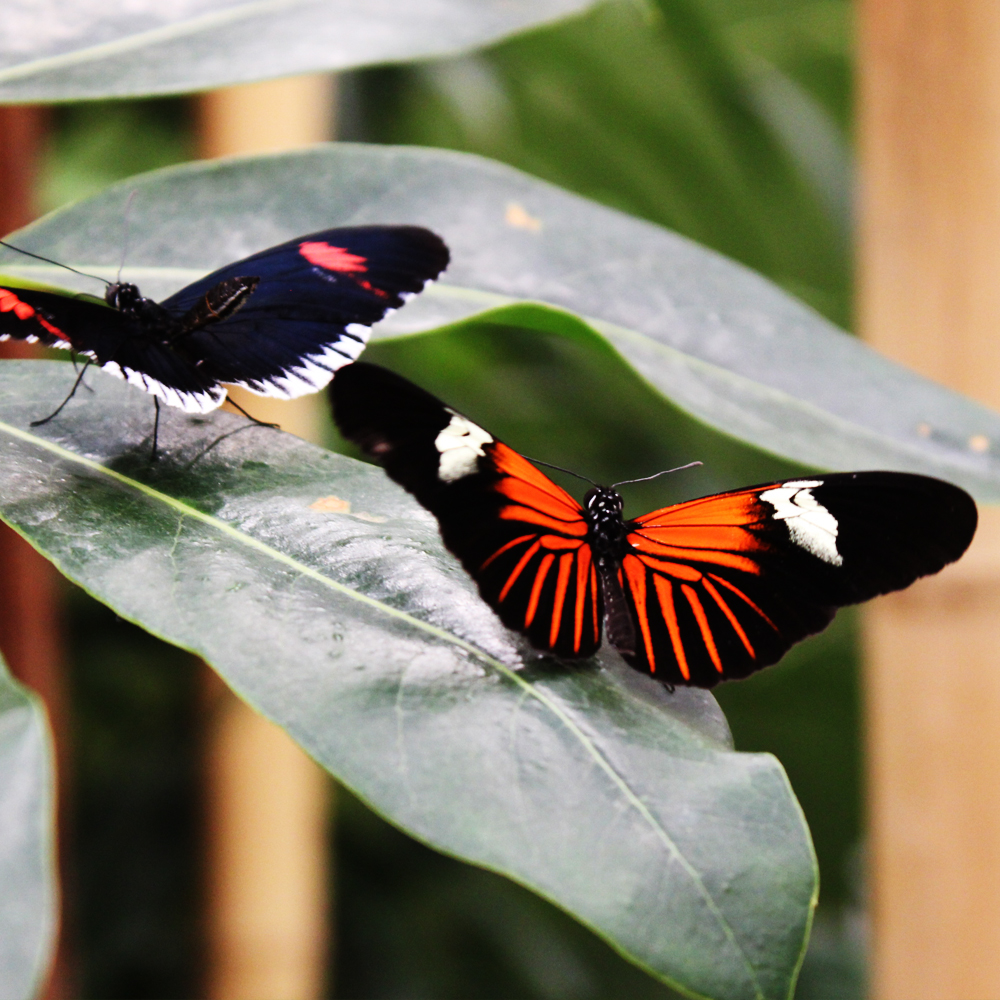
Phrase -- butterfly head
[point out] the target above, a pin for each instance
(603, 501)
(123, 296)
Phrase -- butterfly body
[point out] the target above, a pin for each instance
(602, 507)
(277, 323)
(694, 593)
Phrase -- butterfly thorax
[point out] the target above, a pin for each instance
(603, 507)
(127, 299)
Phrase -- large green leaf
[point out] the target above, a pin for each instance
(92, 48)
(357, 632)
(27, 890)
(720, 341)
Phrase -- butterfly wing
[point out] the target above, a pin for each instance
(312, 308)
(54, 318)
(722, 586)
(519, 535)
(107, 337)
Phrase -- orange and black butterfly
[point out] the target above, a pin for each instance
(696, 593)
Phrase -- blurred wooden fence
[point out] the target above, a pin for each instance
(929, 280)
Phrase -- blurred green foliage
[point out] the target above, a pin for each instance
(726, 120)
(94, 143)
(133, 905)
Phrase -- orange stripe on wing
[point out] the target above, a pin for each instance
(718, 557)
(739, 593)
(512, 579)
(665, 595)
(529, 515)
(511, 463)
(582, 572)
(727, 537)
(532, 496)
(635, 572)
(562, 585)
(733, 508)
(536, 588)
(503, 548)
(558, 542)
(702, 619)
(679, 570)
(727, 611)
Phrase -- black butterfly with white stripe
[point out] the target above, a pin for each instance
(278, 323)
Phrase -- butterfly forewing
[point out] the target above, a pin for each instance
(722, 586)
(519, 535)
(535, 566)
(311, 310)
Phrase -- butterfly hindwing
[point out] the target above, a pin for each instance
(312, 307)
(724, 585)
(519, 535)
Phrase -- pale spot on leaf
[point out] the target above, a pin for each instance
(517, 217)
(331, 505)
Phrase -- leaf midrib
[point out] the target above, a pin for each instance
(248, 541)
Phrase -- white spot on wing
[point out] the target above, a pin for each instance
(459, 445)
(810, 524)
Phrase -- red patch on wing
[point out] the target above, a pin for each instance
(9, 302)
(334, 258)
(369, 287)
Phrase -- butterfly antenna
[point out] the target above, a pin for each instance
(559, 468)
(49, 260)
(656, 475)
(125, 222)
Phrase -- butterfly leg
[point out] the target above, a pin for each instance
(259, 423)
(72, 393)
(76, 367)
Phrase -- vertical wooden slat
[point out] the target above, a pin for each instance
(30, 635)
(929, 296)
(267, 803)
(266, 861)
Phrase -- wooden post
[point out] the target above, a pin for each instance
(267, 802)
(267, 830)
(929, 283)
(29, 585)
